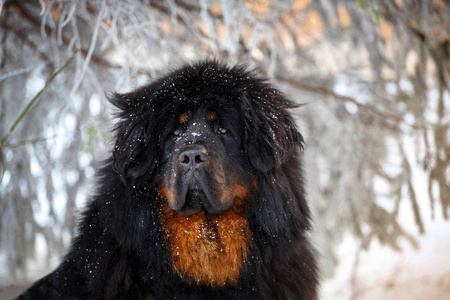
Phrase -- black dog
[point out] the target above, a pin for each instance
(203, 198)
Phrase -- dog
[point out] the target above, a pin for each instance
(203, 197)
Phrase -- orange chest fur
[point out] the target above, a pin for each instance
(207, 249)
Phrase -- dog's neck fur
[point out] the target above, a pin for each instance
(207, 249)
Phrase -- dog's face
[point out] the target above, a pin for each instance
(205, 185)
(204, 167)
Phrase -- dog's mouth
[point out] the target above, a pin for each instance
(195, 191)
(199, 182)
(194, 202)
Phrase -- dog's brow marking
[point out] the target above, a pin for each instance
(212, 116)
(183, 117)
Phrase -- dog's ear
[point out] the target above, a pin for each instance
(271, 133)
(132, 153)
(261, 146)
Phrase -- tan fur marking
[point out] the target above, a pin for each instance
(167, 193)
(212, 116)
(219, 176)
(235, 193)
(183, 117)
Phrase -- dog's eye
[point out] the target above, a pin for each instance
(177, 132)
(222, 130)
(212, 116)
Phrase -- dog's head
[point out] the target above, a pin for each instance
(203, 133)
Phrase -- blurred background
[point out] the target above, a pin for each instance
(374, 76)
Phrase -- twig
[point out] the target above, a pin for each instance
(14, 73)
(91, 48)
(3, 164)
(354, 276)
(23, 143)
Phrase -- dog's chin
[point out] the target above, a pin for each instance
(194, 201)
(190, 211)
(197, 200)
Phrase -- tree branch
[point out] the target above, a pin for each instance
(388, 120)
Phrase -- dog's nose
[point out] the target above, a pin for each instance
(192, 158)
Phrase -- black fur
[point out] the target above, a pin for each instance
(119, 250)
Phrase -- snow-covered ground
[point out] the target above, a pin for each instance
(383, 273)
